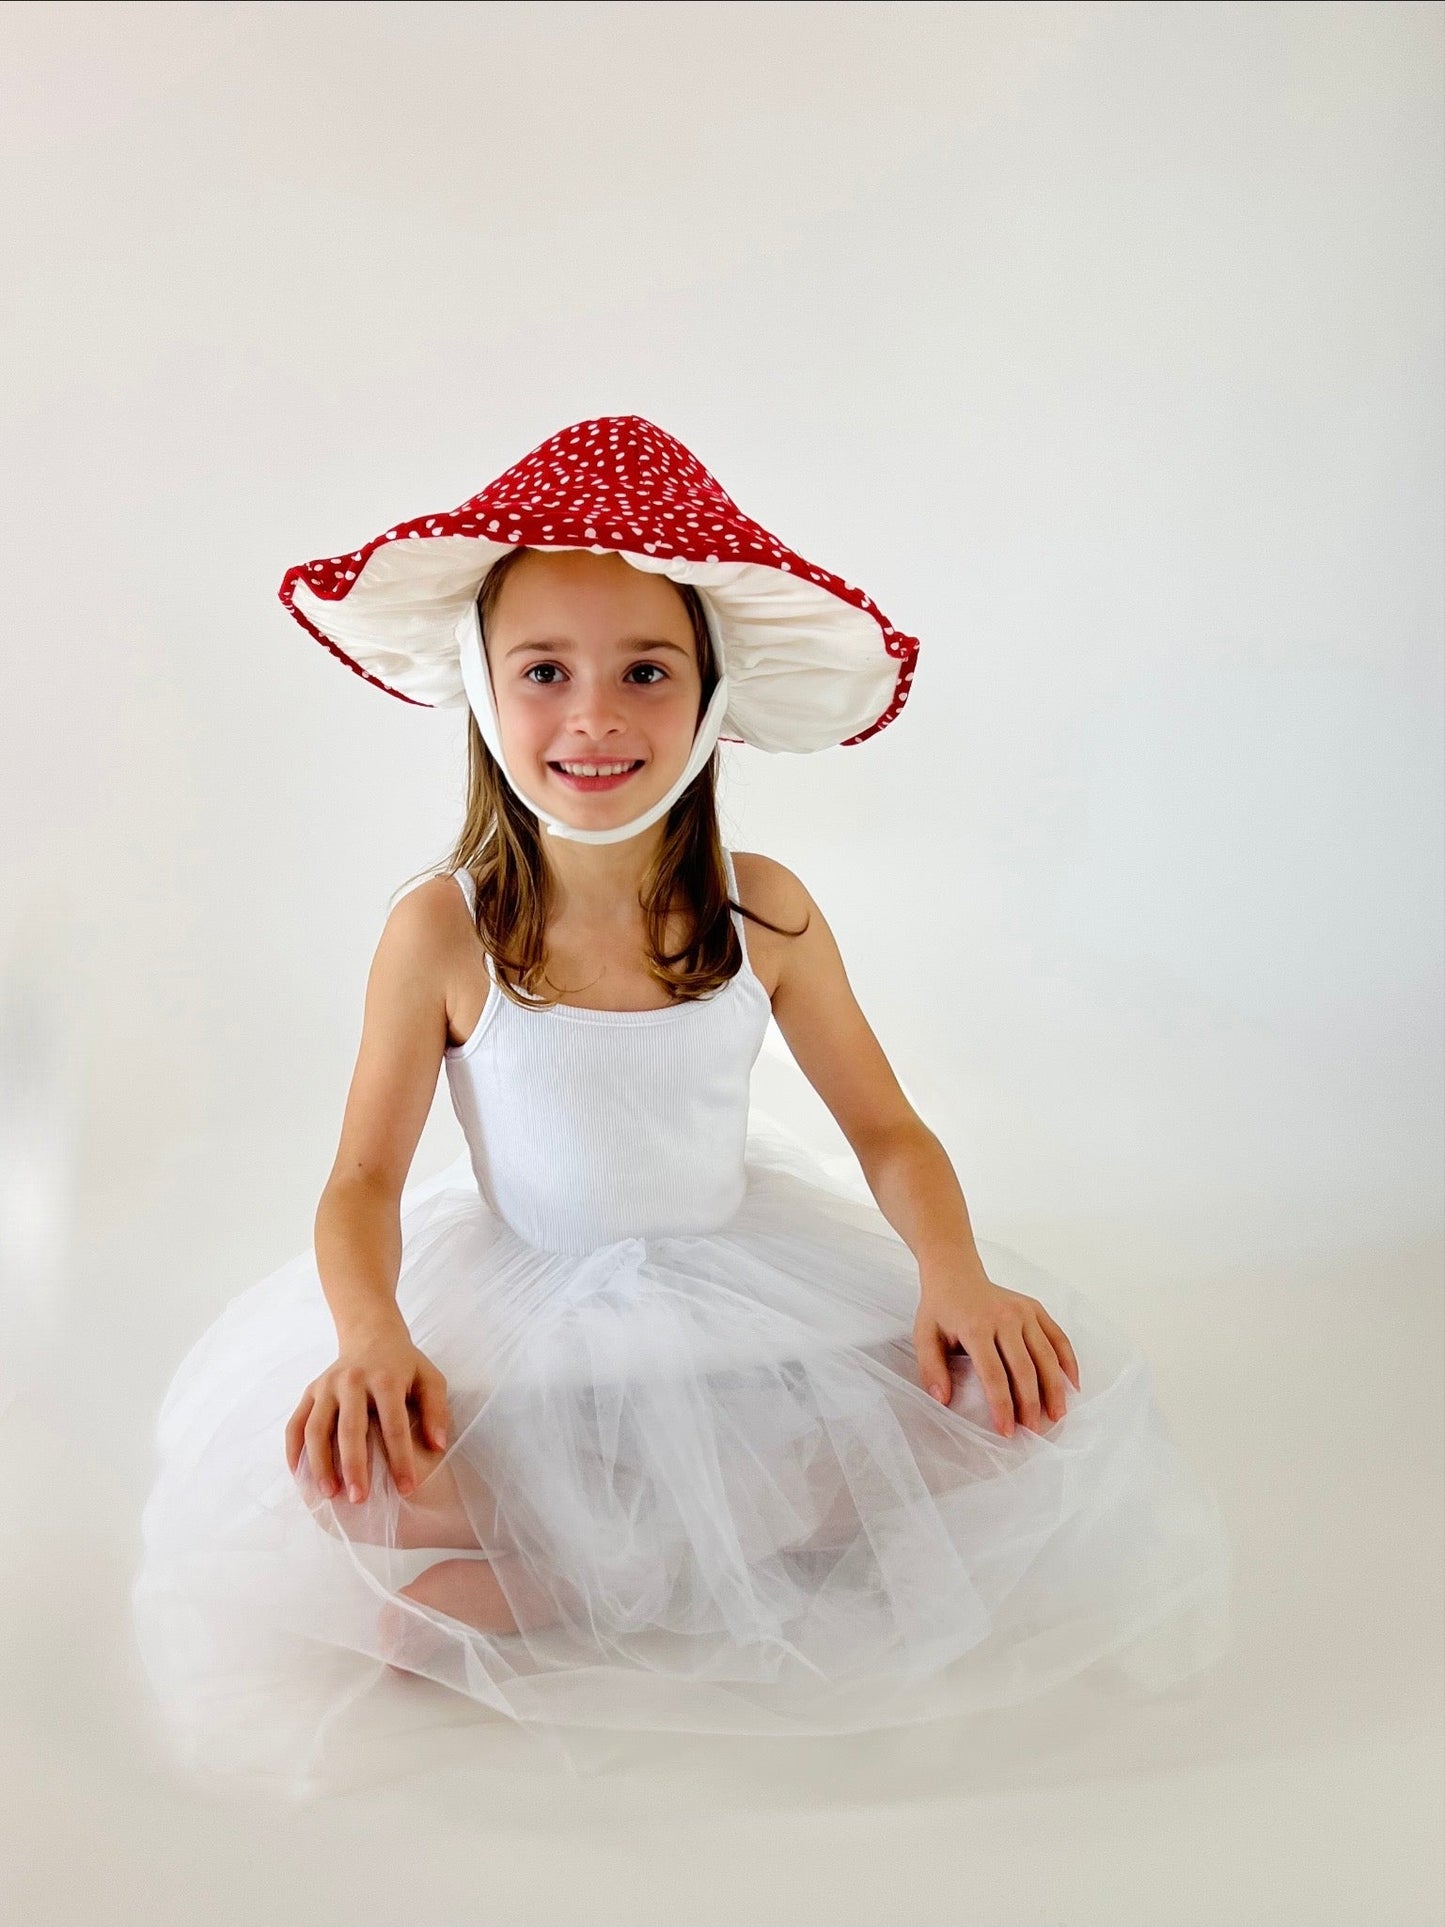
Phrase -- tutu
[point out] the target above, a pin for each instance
(697, 1464)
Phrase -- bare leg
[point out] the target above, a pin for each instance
(472, 1591)
(467, 1590)
(446, 1507)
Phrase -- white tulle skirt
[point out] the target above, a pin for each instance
(704, 1475)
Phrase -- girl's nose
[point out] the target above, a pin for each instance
(593, 709)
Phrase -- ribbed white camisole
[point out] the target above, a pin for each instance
(589, 1126)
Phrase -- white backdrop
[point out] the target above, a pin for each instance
(1102, 343)
(1099, 342)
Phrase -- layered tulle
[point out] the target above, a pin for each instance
(703, 1479)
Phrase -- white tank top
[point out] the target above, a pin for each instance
(589, 1126)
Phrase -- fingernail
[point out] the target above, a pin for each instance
(355, 1492)
(936, 1391)
(403, 1484)
(328, 1487)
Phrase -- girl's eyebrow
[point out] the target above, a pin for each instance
(561, 646)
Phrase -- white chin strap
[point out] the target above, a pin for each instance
(478, 684)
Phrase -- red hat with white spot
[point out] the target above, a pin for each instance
(805, 661)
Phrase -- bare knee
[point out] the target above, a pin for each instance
(465, 1589)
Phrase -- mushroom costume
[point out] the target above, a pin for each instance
(691, 1478)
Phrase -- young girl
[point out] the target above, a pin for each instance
(632, 1417)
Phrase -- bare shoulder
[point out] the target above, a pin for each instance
(768, 887)
(428, 920)
(431, 934)
(814, 1006)
(403, 1035)
(423, 945)
(434, 902)
(771, 891)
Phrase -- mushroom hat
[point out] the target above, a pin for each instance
(804, 660)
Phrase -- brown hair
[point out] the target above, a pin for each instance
(500, 844)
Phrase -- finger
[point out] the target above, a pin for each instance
(933, 1372)
(351, 1429)
(1017, 1357)
(395, 1422)
(983, 1354)
(1058, 1338)
(318, 1441)
(432, 1398)
(1052, 1384)
(296, 1432)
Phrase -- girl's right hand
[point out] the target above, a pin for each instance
(384, 1369)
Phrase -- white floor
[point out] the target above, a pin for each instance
(1301, 1788)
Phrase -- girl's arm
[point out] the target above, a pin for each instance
(358, 1221)
(357, 1232)
(1021, 1355)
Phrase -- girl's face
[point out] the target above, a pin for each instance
(593, 663)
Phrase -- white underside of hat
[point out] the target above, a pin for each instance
(805, 670)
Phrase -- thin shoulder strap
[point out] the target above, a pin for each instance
(467, 884)
(736, 915)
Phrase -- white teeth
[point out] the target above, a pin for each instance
(595, 769)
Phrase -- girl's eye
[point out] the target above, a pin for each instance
(649, 684)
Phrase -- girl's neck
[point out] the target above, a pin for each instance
(598, 883)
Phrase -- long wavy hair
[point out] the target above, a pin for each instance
(500, 844)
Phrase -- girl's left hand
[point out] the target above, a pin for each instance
(1020, 1354)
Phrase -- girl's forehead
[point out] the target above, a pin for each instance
(568, 643)
(573, 600)
(573, 574)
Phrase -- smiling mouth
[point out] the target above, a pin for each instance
(576, 778)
